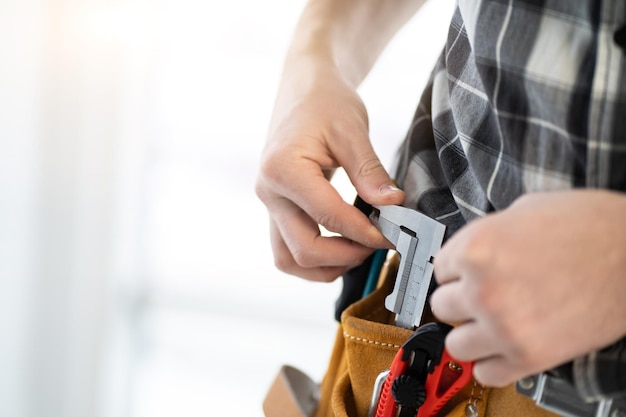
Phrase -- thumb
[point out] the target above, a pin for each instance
(369, 177)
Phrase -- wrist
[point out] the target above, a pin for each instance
(320, 58)
(308, 74)
(348, 34)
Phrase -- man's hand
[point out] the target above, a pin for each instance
(319, 123)
(535, 285)
(318, 127)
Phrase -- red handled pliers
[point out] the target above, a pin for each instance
(422, 377)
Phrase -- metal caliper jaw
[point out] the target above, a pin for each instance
(417, 239)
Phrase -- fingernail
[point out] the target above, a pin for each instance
(389, 189)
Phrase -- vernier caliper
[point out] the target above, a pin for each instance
(417, 239)
(419, 366)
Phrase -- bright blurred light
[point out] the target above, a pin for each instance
(137, 277)
(120, 22)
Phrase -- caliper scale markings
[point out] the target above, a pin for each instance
(417, 238)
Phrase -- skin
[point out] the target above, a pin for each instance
(529, 287)
(535, 285)
(319, 123)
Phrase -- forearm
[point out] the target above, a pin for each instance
(319, 123)
(348, 35)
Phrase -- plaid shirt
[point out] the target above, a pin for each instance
(526, 96)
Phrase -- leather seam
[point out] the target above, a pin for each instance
(374, 342)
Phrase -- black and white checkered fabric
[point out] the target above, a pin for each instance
(526, 96)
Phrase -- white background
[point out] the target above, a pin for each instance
(136, 277)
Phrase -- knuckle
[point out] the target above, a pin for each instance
(508, 336)
(453, 345)
(522, 350)
(261, 190)
(303, 257)
(330, 221)
(369, 242)
(369, 165)
(270, 168)
(486, 298)
(271, 175)
(487, 289)
(478, 249)
(283, 262)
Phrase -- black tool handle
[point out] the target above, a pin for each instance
(354, 280)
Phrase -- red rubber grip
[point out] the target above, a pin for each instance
(386, 404)
(447, 379)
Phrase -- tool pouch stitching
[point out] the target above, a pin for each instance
(365, 345)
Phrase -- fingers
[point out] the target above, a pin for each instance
(470, 341)
(471, 295)
(309, 139)
(473, 341)
(302, 236)
(299, 198)
(496, 372)
(306, 187)
(299, 249)
(447, 264)
(367, 173)
(468, 252)
(285, 262)
(449, 303)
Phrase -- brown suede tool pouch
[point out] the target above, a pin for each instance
(365, 346)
